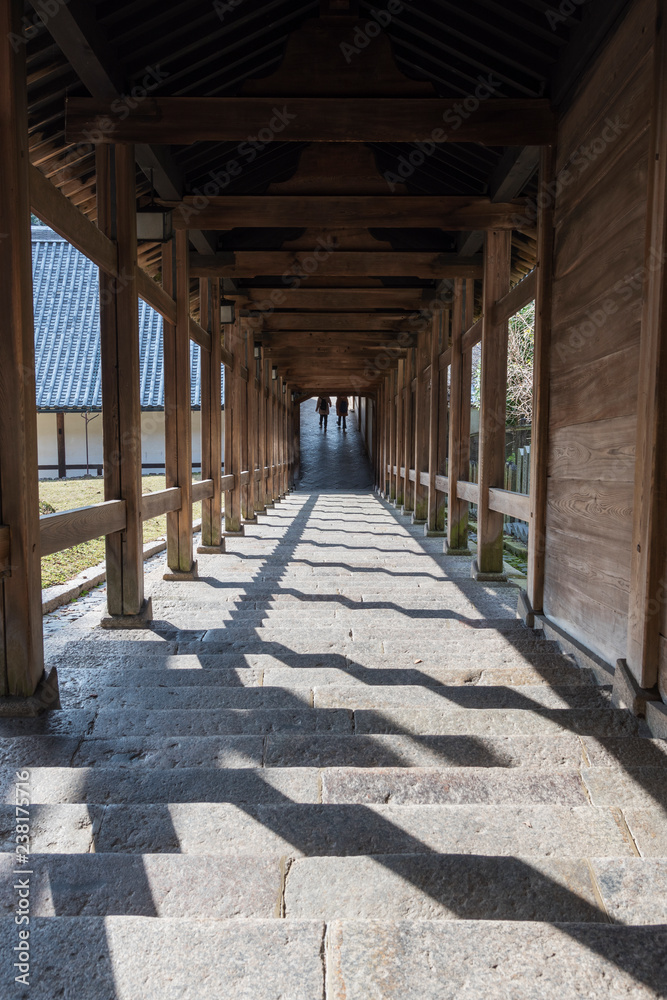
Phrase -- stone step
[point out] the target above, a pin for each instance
(228, 829)
(339, 786)
(359, 696)
(469, 960)
(110, 723)
(414, 887)
(497, 722)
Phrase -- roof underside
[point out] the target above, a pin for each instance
(524, 47)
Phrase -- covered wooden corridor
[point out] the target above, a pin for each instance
(335, 199)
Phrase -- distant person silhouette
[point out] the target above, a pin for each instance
(342, 407)
(323, 407)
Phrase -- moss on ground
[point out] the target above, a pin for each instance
(67, 494)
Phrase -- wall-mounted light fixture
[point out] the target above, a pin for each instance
(155, 223)
(257, 350)
(274, 373)
(284, 387)
(227, 311)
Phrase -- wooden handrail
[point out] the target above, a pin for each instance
(202, 490)
(72, 527)
(513, 504)
(467, 491)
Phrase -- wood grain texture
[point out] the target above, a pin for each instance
(155, 295)
(73, 527)
(512, 504)
(603, 450)
(592, 511)
(344, 264)
(160, 502)
(602, 390)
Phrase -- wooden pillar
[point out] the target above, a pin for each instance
(178, 411)
(387, 434)
(459, 421)
(490, 524)
(21, 645)
(121, 400)
(211, 417)
(297, 442)
(268, 445)
(434, 426)
(400, 431)
(252, 440)
(647, 618)
(409, 458)
(233, 438)
(62, 451)
(273, 422)
(422, 429)
(260, 495)
(540, 432)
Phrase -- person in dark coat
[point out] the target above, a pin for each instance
(323, 407)
(342, 407)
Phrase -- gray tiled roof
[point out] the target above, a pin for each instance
(67, 332)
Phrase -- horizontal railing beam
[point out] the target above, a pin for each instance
(513, 504)
(72, 527)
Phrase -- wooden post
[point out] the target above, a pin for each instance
(490, 524)
(409, 456)
(121, 399)
(297, 442)
(422, 463)
(62, 451)
(252, 440)
(387, 434)
(211, 418)
(268, 439)
(459, 423)
(178, 412)
(233, 438)
(400, 432)
(260, 496)
(648, 585)
(434, 420)
(540, 433)
(21, 644)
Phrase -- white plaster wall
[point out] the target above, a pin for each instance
(152, 442)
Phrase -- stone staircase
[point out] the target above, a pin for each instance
(335, 768)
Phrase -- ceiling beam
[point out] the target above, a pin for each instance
(516, 168)
(326, 322)
(348, 300)
(346, 211)
(84, 44)
(185, 120)
(340, 264)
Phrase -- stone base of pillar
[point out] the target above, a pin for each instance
(46, 698)
(525, 611)
(656, 719)
(250, 520)
(211, 550)
(234, 534)
(142, 620)
(480, 577)
(449, 551)
(417, 520)
(626, 692)
(182, 574)
(428, 533)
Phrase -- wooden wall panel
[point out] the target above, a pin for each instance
(598, 268)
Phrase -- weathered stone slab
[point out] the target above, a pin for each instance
(354, 674)
(626, 752)
(150, 886)
(67, 829)
(379, 697)
(422, 751)
(171, 751)
(202, 698)
(496, 722)
(648, 826)
(73, 722)
(469, 960)
(20, 752)
(426, 887)
(626, 787)
(453, 786)
(127, 958)
(219, 722)
(634, 890)
(125, 785)
(319, 830)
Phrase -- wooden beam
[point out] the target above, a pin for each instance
(198, 334)
(233, 431)
(436, 425)
(512, 504)
(492, 420)
(459, 420)
(160, 502)
(21, 644)
(62, 215)
(186, 120)
(155, 295)
(649, 547)
(350, 264)
(121, 402)
(472, 336)
(539, 451)
(516, 299)
(330, 322)
(73, 527)
(345, 211)
(349, 300)
(62, 449)
(516, 167)
(467, 491)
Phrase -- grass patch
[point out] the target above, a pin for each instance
(67, 494)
